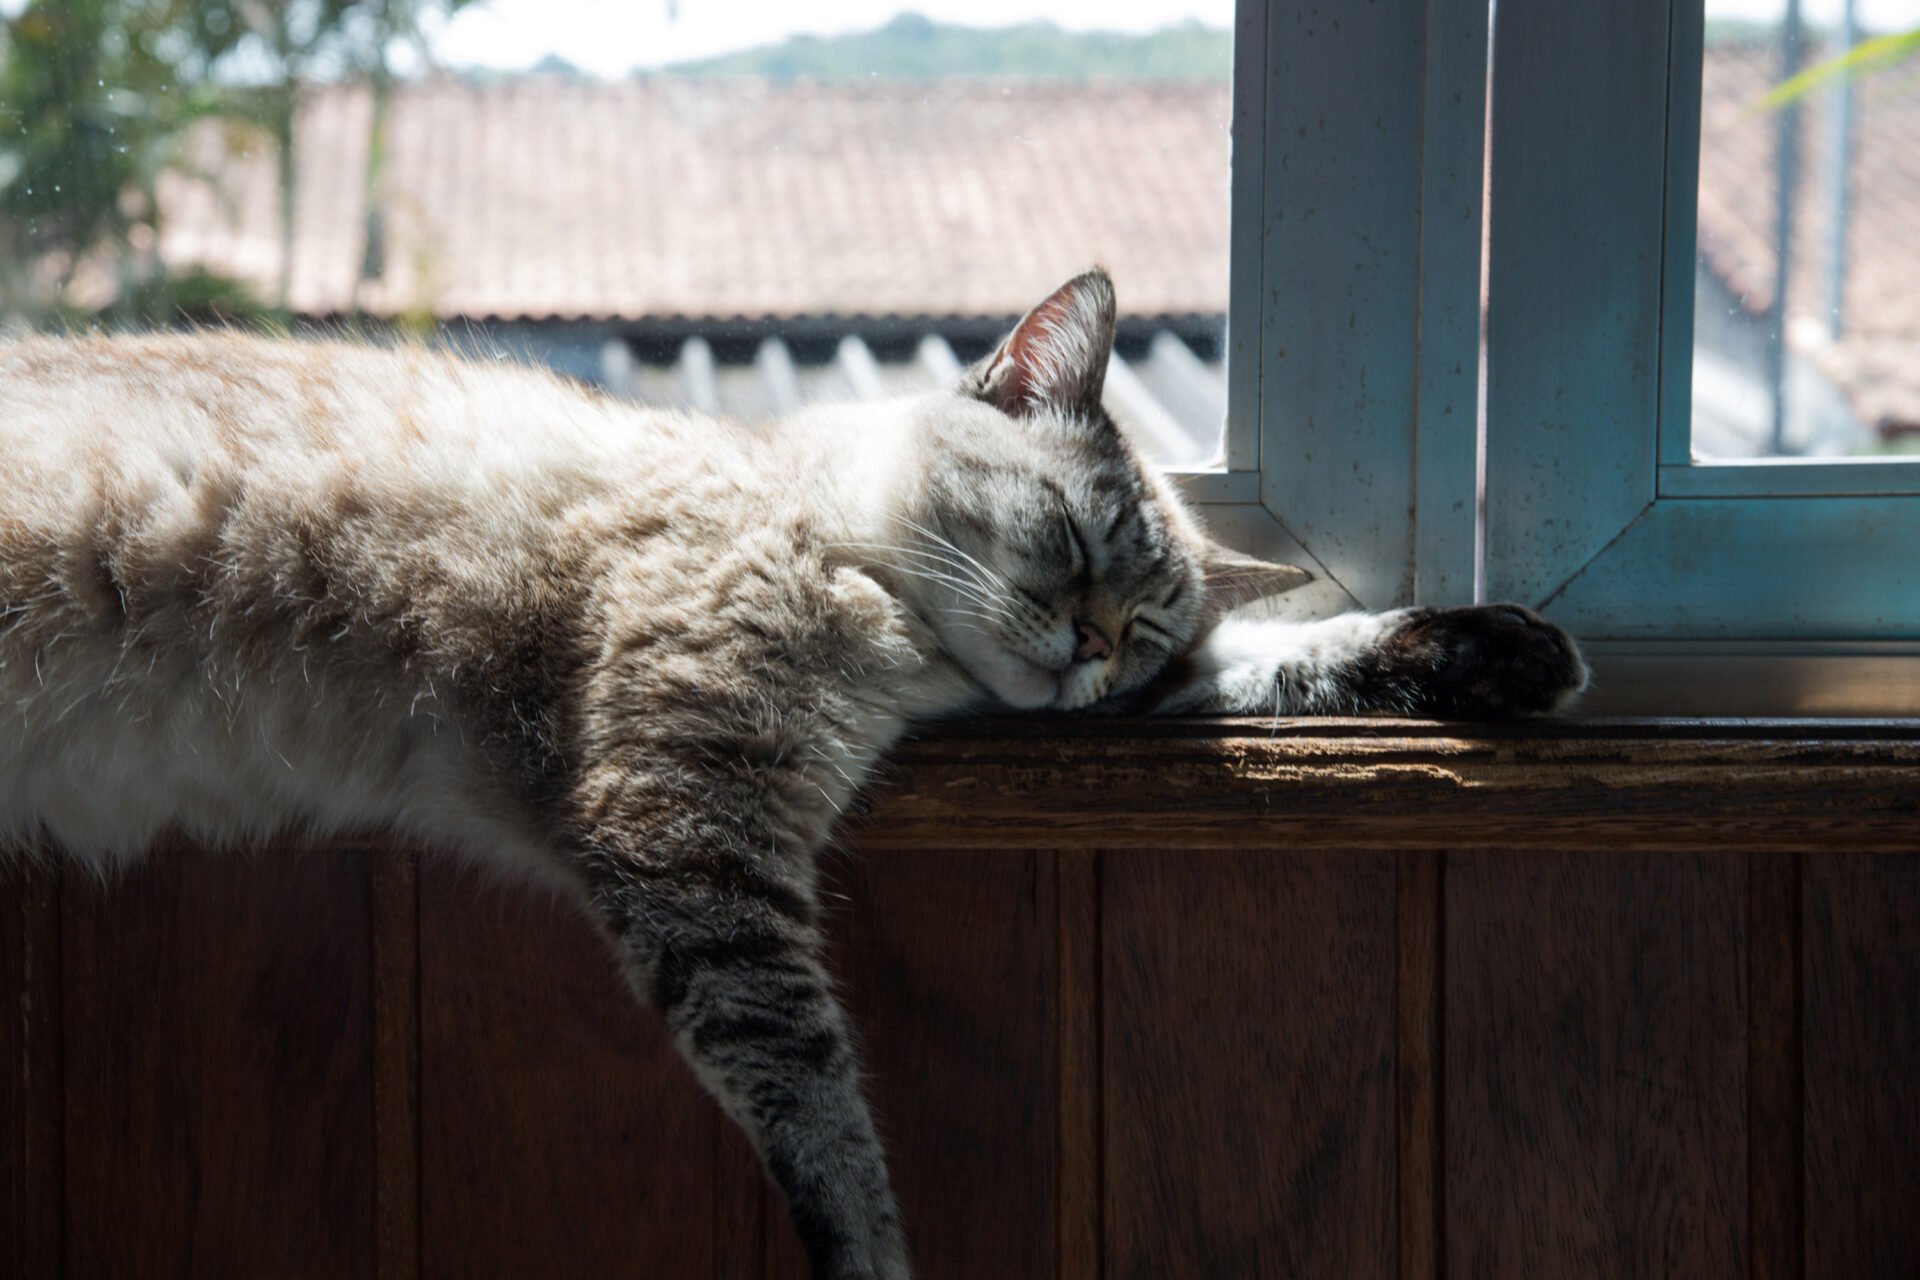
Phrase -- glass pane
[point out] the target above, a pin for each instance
(731, 204)
(1807, 320)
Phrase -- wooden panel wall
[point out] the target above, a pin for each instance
(31, 1182)
(1682, 1039)
(1596, 1062)
(219, 1102)
(1249, 1057)
(947, 961)
(1862, 1027)
(558, 1132)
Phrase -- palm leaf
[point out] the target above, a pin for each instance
(1868, 55)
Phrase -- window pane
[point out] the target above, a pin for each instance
(1807, 319)
(741, 206)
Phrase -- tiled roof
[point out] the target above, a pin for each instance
(1877, 358)
(711, 199)
(543, 197)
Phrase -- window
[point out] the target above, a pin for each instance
(1461, 338)
(1354, 316)
(1805, 333)
(739, 207)
(1692, 579)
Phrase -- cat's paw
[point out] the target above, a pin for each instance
(1484, 660)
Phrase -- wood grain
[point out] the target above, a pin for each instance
(14, 1213)
(1249, 1064)
(32, 1098)
(1596, 1059)
(1775, 1091)
(219, 1107)
(559, 1132)
(393, 904)
(947, 966)
(1862, 1066)
(741, 1197)
(1576, 1050)
(1080, 1094)
(44, 1057)
(1647, 785)
(1417, 1012)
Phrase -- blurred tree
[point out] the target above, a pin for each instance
(1875, 54)
(396, 24)
(95, 96)
(295, 45)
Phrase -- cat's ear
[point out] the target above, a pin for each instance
(1056, 357)
(1234, 579)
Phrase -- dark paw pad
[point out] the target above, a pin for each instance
(1488, 660)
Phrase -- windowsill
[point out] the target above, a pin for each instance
(1866, 679)
(1297, 783)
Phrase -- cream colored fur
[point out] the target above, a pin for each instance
(168, 656)
(249, 586)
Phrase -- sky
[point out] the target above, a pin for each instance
(611, 37)
(1876, 15)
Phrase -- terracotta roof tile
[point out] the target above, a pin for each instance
(548, 198)
(1877, 358)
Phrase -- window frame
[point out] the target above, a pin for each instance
(1354, 445)
(1595, 508)
(1352, 449)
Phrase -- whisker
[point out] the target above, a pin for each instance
(967, 590)
(975, 586)
(985, 571)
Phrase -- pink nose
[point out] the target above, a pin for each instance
(1093, 643)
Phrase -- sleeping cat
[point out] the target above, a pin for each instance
(248, 586)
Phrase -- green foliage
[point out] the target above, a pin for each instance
(92, 98)
(1866, 57)
(914, 47)
(95, 96)
(196, 296)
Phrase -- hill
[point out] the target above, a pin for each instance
(914, 47)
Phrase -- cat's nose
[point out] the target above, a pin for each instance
(1093, 643)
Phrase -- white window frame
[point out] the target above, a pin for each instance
(1595, 505)
(1353, 312)
(1354, 401)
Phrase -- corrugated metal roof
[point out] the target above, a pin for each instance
(1169, 398)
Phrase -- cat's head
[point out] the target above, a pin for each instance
(1057, 568)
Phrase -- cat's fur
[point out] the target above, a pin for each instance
(248, 585)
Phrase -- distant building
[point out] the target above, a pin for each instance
(1853, 375)
(741, 245)
(717, 242)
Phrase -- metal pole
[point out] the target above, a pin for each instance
(1839, 173)
(1786, 157)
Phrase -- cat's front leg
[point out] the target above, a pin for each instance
(1483, 660)
(723, 941)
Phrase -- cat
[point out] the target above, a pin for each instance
(251, 585)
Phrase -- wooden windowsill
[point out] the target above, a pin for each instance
(1303, 783)
(1380, 997)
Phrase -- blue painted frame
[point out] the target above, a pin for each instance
(1353, 323)
(1595, 510)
